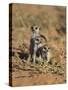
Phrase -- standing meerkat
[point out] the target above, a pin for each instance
(36, 42)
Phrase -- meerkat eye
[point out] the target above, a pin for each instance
(39, 28)
(36, 28)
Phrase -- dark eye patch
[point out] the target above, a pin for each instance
(36, 28)
(39, 28)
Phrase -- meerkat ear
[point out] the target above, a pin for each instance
(39, 28)
(31, 27)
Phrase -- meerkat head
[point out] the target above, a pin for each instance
(35, 29)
